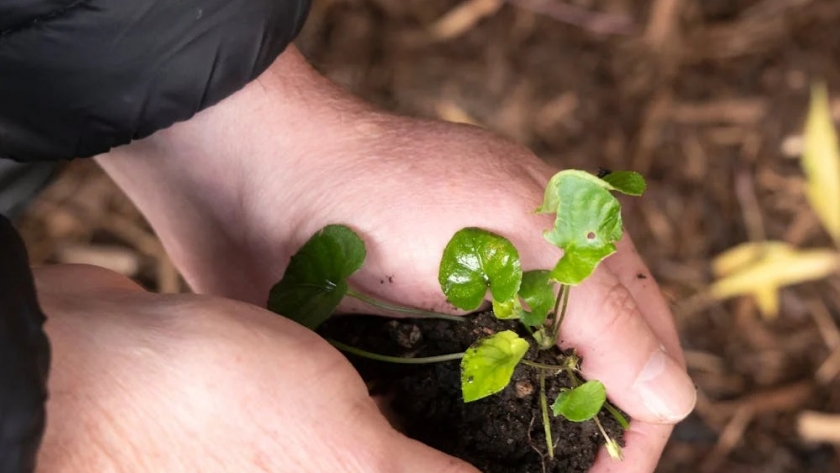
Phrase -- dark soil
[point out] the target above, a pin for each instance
(497, 434)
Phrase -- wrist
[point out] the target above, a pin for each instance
(196, 179)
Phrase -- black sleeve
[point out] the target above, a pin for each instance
(24, 358)
(78, 77)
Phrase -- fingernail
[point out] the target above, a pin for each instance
(665, 388)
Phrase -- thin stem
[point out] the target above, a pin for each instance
(601, 428)
(549, 442)
(622, 421)
(427, 314)
(558, 319)
(554, 314)
(394, 359)
(542, 366)
(572, 378)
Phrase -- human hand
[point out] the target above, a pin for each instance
(149, 383)
(279, 173)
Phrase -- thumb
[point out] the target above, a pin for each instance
(619, 348)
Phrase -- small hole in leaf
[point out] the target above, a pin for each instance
(469, 379)
(590, 236)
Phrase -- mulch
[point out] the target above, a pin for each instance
(706, 98)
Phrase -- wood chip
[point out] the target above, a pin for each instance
(116, 258)
(736, 111)
(450, 111)
(819, 427)
(783, 399)
(464, 17)
(729, 438)
(663, 23)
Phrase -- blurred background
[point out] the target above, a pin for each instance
(706, 98)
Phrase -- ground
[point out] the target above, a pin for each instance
(706, 98)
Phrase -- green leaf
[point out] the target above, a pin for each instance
(538, 292)
(508, 310)
(475, 259)
(316, 279)
(587, 225)
(488, 365)
(626, 182)
(581, 403)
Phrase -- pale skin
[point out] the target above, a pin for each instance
(235, 191)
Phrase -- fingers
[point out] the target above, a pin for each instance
(416, 457)
(645, 442)
(633, 274)
(621, 350)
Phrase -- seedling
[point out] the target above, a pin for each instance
(475, 262)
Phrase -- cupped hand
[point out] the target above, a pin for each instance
(269, 177)
(418, 182)
(149, 383)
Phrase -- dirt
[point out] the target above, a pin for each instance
(498, 434)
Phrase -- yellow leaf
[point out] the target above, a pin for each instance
(767, 299)
(760, 269)
(821, 162)
(739, 256)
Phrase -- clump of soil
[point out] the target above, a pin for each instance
(498, 434)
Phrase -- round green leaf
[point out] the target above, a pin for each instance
(538, 292)
(581, 403)
(488, 365)
(626, 182)
(475, 259)
(316, 279)
(587, 225)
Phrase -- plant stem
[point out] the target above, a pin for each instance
(549, 442)
(622, 421)
(601, 428)
(426, 314)
(565, 289)
(542, 366)
(394, 359)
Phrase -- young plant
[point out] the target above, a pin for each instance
(475, 262)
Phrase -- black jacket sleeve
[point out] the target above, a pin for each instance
(24, 358)
(78, 77)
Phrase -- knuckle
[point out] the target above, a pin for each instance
(618, 308)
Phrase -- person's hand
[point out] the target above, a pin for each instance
(238, 189)
(150, 383)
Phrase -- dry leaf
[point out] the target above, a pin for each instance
(760, 269)
(821, 162)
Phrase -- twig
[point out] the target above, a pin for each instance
(596, 22)
(662, 24)
(462, 18)
(829, 369)
(729, 438)
(825, 323)
(745, 192)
